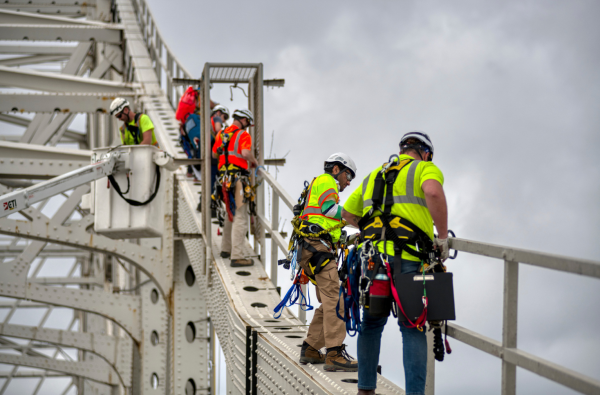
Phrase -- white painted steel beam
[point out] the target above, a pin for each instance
(29, 18)
(38, 80)
(60, 102)
(68, 280)
(146, 259)
(37, 49)
(69, 135)
(115, 350)
(60, 8)
(97, 371)
(27, 161)
(33, 59)
(122, 309)
(105, 34)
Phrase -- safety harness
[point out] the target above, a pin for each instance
(303, 231)
(225, 186)
(134, 130)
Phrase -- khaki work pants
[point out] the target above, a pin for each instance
(326, 329)
(234, 233)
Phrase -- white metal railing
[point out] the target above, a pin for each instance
(166, 65)
(507, 349)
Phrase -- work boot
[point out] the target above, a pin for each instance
(309, 354)
(225, 254)
(338, 360)
(241, 262)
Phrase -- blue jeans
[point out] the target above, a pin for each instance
(414, 343)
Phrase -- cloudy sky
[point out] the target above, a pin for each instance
(509, 93)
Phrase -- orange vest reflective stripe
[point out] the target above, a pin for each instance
(234, 152)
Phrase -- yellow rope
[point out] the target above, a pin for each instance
(296, 221)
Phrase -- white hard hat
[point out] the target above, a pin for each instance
(118, 105)
(221, 108)
(245, 113)
(422, 137)
(342, 159)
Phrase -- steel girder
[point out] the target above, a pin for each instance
(69, 135)
(60, 102)
(90, 370)
(107, 34)
(147, 260)
(26, 161)
(37, 49)
(38, 80)
(33, 59)
(29, 18)
(117, 351)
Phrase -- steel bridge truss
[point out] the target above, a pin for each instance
(142, 316)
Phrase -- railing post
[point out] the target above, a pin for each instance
(274, 228)
(430, 381)
(509, 324)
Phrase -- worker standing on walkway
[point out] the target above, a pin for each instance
(322, 215)
(218, 116)
(233, 148)
(137, 129)
(418, 197)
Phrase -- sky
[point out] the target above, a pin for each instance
(508, 92)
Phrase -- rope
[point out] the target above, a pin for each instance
(296, 221)
(292, 296)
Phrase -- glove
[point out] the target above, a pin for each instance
(220, 151)
(442, 245)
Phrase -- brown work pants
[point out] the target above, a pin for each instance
(234, 233)
(326, 329)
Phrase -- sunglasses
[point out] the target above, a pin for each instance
(349, 176)
(119, 115)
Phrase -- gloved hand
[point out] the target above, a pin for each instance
(442, 245)
(220, 151)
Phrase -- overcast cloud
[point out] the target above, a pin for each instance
(509, 93)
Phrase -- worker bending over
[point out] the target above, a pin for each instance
(418, 197)
(322, 215)
(233, 148)
(137, 129)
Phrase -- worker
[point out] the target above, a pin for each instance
(418, 197)
(219, 115)
(137, 129)
(322, 214)
(233, 148)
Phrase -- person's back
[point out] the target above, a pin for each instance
(399, 205)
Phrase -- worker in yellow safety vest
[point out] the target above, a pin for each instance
(415, 202)
(322, 216)
(137, 129)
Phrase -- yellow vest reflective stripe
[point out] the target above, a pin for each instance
(407, 203)
(408, 197)
(321, 188)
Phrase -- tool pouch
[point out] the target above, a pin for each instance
(439, 289)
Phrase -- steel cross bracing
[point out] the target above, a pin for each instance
(144, 313)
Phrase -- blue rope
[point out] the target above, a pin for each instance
(351, 302)
(291, 297)
(256, 171)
